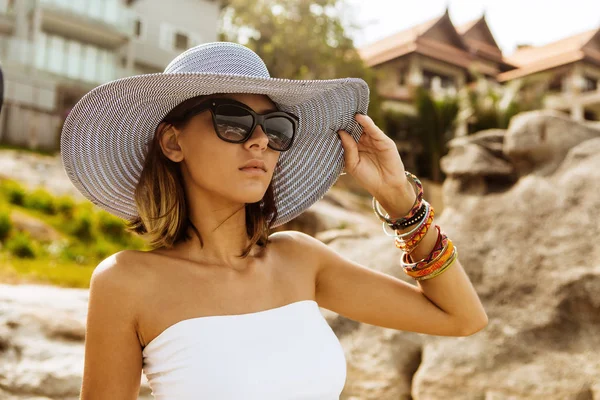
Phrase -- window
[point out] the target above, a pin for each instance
(589, 84)
(556, 84)
(444, 81)
(181, 41)
(138, 28)
(172, 38)
(402, 77)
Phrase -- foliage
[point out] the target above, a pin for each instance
(82, 225)
(111, 225)
(89, 235)
(65, 205)
(21, 245)
(435, 123)
(13, 191)
(5, 223)
(40, 199)
(299, 39)
(490, 106)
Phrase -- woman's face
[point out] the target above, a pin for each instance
(214, 164)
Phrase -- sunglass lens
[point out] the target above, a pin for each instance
(280, 131)
(233, 122)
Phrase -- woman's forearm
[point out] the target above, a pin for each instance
(452, 290)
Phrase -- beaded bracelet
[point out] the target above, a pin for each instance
(444, 268)
(432, 266)
(402, 235)
(440, 247)
(395, 223)
(408, 245)
(416, 219)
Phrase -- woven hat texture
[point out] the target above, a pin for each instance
(105, 137)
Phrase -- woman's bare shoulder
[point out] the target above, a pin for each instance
(297, 245)
(123, 273)
(295, 241)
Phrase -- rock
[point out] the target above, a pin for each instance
(323, 216)
(36, 228)
(490, 139)
(474, 160)
(35, 170)
(539, 140)
(42, 333)
(531, 255)
(475, 165)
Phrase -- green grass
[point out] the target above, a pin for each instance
(89, 235)
(44, 271)
(25, 149)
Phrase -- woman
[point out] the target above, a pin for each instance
(202, 160)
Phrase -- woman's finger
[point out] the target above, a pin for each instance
(369, 126)
(350, 149)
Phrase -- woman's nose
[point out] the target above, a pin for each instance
(258, 137)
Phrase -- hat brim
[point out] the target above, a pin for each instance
(105, 137)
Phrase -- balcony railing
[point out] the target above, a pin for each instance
(110, 12)
(67, 59)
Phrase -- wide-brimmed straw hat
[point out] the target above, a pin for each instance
(105, 137)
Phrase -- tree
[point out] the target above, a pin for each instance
(298, 39)
(435, 123)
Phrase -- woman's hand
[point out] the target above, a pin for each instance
(376, 164)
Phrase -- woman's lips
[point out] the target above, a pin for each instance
(253, 171)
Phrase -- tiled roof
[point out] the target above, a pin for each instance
(415, 40)
(530, 60)
(400, 40)
(529, 55)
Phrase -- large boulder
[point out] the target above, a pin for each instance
(42, 333)
(531, 254)
(539, 140)
(476, 164)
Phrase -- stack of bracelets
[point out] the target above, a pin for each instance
(420, 217)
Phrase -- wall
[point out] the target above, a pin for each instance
(197, 19)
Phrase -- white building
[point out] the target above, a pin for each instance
(54, 51)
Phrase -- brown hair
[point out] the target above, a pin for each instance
(161, 201)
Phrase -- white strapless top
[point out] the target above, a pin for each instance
(284, 353)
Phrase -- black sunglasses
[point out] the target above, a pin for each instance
(234, 122)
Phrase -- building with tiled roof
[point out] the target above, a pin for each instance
(435, 55)
(566, 73)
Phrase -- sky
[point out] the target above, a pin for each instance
(512, 22)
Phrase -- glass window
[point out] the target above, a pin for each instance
(41, 53)
(106, 66)
(589, 84)
(90, 60)
(77, 6)
(137, 28)
(111, 11)
(56, 54)
(74, 50)
(95, 9)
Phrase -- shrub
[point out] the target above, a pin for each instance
(5, 223)
(83, 225)
(102, 249)
(111, 225)
(21, 245)
(41, 200)
(65, 205)
(15, 192)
